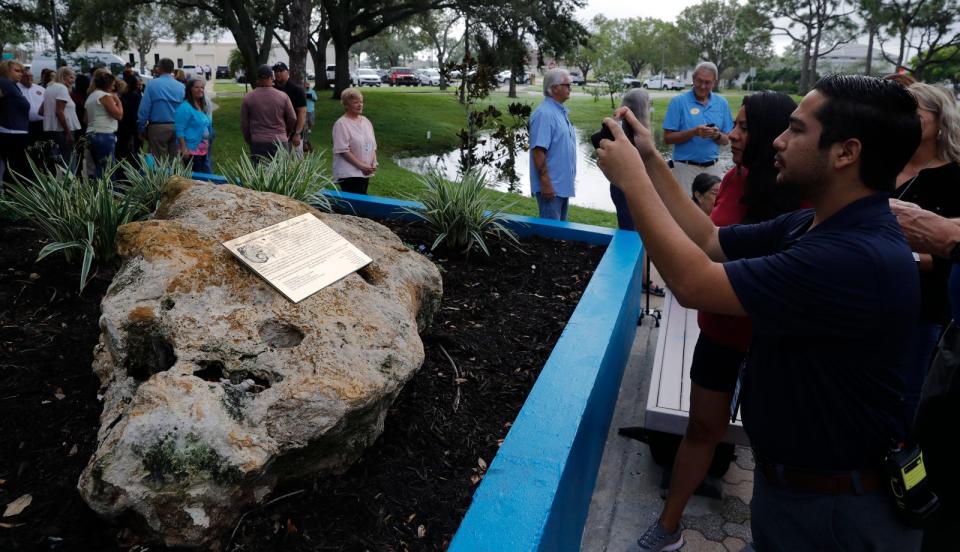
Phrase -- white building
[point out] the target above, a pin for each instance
(213, 53)
(852, 58)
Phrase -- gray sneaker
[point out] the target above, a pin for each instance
(657, 539)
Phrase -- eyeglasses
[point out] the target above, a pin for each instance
(567, 84)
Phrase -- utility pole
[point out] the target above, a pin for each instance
(56, 33)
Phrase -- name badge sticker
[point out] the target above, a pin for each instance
(694, 110)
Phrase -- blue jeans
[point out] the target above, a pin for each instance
(201, 163)
(102, 145)
(784, 520)
(624, 219)
(555, 208)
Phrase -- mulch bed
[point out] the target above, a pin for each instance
(499, 320)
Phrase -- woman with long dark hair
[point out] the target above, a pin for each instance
(194, 126)
(128, 140)
(748, 193)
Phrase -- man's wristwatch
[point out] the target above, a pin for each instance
(955, 253)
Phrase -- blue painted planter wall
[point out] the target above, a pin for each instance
(536, 492)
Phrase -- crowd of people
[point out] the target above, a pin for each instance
(105, 118)
(817, 320)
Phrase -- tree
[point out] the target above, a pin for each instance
(817, 26)
(351, 21)
(549, 23)
(71, 31)
(602, 36)
(869, 12)
(435, 28)
(923, 26)
(947, 67)
(725, 33)
(654, 43)
(392, 47)
(252, 24)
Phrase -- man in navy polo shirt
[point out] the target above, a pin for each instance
(697, 123)
(830, 290)
(553, 148)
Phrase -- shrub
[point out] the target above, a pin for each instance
(79, 215)
(459, 213)
(144, 184)
(285, 174)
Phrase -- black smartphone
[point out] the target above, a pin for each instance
(711, 125)
(603, 134)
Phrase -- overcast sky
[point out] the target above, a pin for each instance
(667, 10)
(619, 9)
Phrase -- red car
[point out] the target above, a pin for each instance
(403, 76)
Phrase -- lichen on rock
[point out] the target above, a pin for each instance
(216, 388)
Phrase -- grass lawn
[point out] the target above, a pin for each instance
(401, 118)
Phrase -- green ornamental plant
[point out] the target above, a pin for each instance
(144, 185)
(460, 212)
(80, 216)
(285, 174)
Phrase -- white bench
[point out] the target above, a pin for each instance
(668, 402)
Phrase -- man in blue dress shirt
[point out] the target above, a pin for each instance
(697, 123)
(553, 146)
(161, 99)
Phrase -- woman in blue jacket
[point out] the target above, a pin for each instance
(14, 122)
(194, 126)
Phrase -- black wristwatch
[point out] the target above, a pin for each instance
(955, 253)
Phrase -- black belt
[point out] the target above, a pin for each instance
(846, 482)
(162, 122)
(697, 163)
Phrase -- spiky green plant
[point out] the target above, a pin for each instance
(285, 174)
(460, 212)
(144, 183)
(80, 216)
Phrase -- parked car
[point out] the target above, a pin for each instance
(403, 76)
(577, 78)
(429, 77)
(503, 77)
(78, 60)
(366, 77)
(631, 82)
(190, 70)
(384, 76)
(223, 72)
(659, 82)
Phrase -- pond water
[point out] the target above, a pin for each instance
(592, 188)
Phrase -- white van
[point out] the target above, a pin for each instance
(78, 60)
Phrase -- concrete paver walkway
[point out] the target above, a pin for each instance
(627, 497)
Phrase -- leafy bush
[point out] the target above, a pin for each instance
(144, 185)
(79, 215)
(285, 174)
(459, 212)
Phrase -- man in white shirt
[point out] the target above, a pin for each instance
(34, 94)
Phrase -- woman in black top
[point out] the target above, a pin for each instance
(128, 140)
(931, 180)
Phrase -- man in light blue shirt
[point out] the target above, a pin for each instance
(697, 123)
(553, 147)
(161, 99)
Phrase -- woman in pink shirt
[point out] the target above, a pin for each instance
(354, 145)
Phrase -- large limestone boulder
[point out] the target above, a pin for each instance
(216, 388)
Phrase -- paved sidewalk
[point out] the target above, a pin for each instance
(627, 497)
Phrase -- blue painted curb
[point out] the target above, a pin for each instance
(536, 492)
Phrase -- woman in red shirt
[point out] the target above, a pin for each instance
(748, 194)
